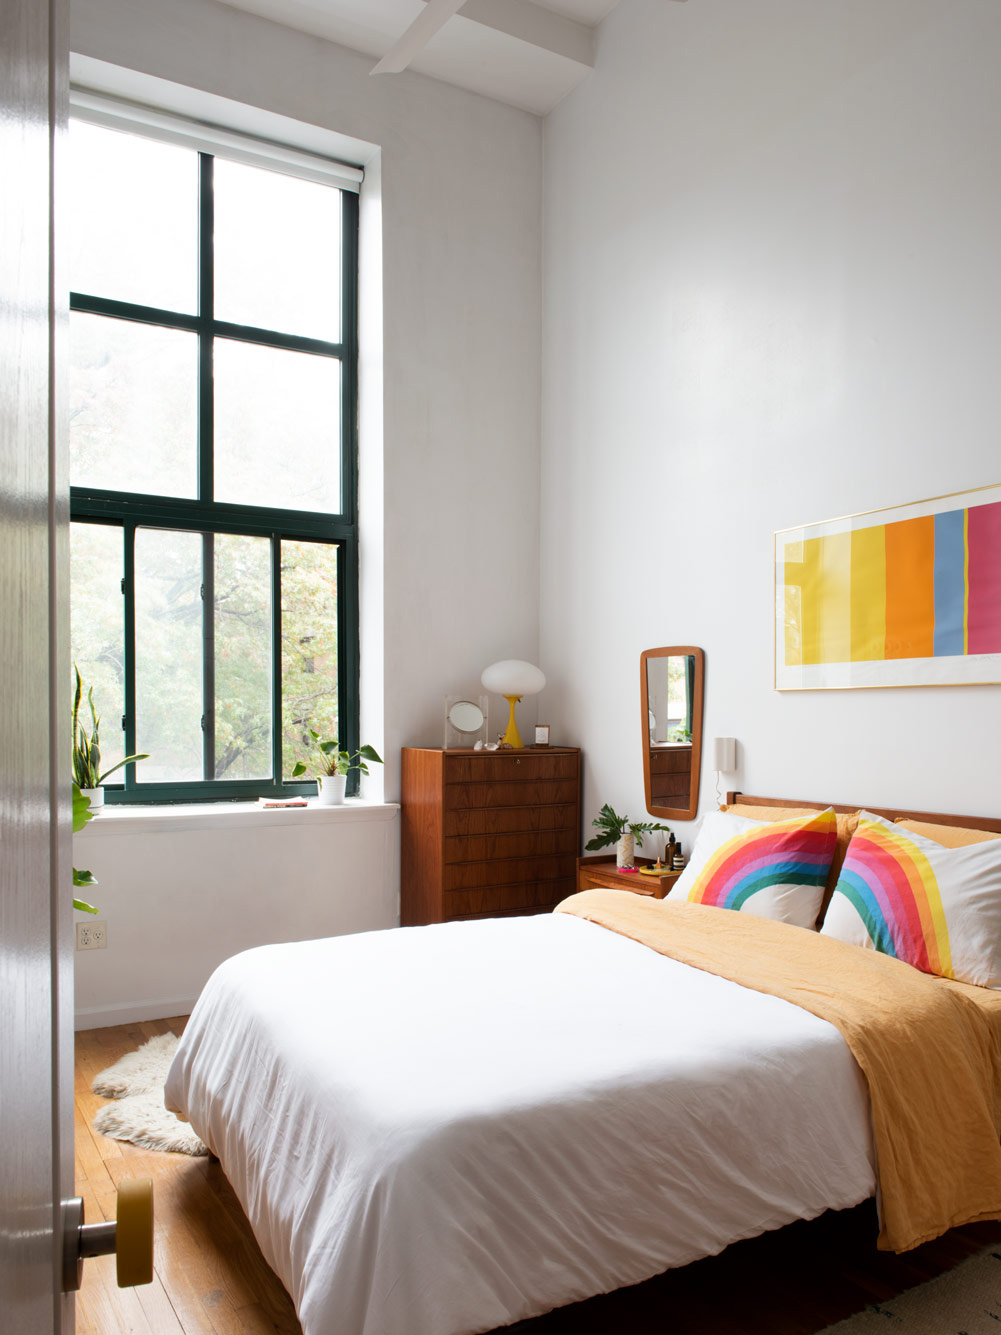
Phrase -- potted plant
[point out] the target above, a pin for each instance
(81, 815)
(333, 767)
(625, 834)
(87, 751)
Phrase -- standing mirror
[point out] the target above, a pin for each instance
(671, 693)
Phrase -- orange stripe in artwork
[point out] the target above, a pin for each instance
(910, 588)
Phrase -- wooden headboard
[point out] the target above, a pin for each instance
(991, 823)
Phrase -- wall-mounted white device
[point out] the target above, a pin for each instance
(725, 754)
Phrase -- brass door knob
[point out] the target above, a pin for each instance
(130, 1236)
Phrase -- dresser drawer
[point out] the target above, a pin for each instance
(505, 898)
(667, 761)
(509, 871)
(510, 820)
(508, 767)
(464, 796)
(530, 843)
(499, 913)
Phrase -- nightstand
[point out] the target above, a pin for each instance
(600, 872)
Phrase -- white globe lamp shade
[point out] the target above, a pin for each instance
(513, 678)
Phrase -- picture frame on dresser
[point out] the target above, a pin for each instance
(487, 833)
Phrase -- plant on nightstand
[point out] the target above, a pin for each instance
(625, 834)
(87, 751)
(333, 766)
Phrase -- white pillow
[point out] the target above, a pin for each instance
(775, 869)
(937, 908)
(715, 828)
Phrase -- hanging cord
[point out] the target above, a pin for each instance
(719, 800)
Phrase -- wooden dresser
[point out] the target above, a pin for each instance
(487, 833)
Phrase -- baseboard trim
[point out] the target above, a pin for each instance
(129, 1012)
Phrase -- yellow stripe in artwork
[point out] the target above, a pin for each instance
(868, 593)
(826, 585)
(792, 603)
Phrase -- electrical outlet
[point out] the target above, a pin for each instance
(91, 935)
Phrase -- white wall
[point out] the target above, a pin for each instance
(181, 892)
(450, 554)
(773, 295)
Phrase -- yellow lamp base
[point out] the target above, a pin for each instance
(512, 737)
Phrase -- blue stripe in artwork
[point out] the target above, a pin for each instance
(950, 582)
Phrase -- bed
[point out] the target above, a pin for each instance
(442, 1130)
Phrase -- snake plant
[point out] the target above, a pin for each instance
(87, 747)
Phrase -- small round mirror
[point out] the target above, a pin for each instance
(464, 716)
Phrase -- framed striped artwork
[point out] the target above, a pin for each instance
(906, 596)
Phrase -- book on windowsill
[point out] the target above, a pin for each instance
(282, 802)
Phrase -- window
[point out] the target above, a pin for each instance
(212, 459)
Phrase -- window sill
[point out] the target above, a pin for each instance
(118, 819)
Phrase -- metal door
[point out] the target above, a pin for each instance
(36, 1016)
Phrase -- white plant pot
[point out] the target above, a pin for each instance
(330, 790)
(96, 796)
(625, 851)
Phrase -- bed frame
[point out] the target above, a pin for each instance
(990, 823)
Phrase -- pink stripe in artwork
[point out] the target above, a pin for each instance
(984, 579)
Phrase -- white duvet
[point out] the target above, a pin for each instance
(440, 1130)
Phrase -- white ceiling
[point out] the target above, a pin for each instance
(528, 53)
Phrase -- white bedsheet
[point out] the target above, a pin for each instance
(440, 1130)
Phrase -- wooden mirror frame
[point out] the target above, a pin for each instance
(674, 651)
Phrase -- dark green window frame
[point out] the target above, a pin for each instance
(129, 511)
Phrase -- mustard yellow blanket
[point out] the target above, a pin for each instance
(930, 1049)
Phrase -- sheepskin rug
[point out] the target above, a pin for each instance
(137, 1114)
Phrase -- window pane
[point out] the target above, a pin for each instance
(242, 657)
(309, 649)
(277, 427)
(277, 251)
(98, 632)
(133, 406)
(134, 232)
(169, 654)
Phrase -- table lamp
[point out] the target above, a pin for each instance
(513, 678)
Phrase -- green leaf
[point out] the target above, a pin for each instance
(600, 841)
(84, 878)
(370, 753)
(84, 908)
(129, 760)
(298, 768)
(81, 809)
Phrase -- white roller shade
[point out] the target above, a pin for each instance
(115, 114)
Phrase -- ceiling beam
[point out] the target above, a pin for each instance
(535, 26)
(417, 36)
(526, 22)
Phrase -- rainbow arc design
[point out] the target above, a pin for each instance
(891, 885)
(794, 852)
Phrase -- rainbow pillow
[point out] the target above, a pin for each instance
(936, 908)
(776, 870)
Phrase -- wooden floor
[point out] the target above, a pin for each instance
(211, 1279)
